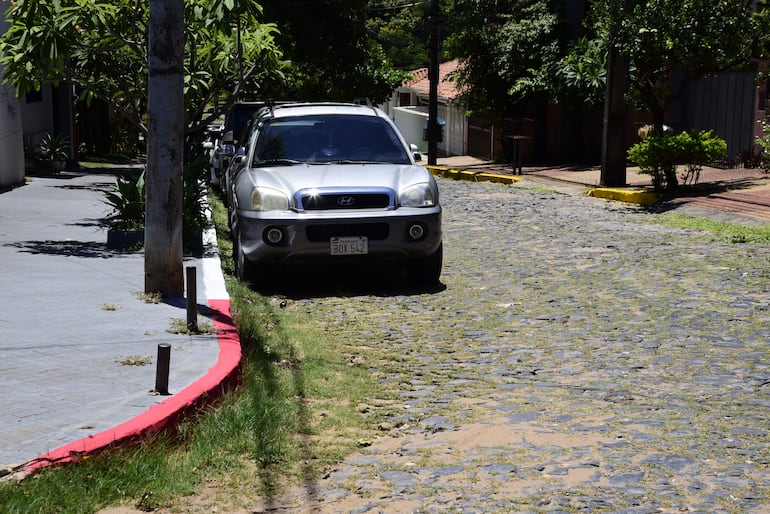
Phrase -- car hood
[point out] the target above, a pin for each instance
(290, 179)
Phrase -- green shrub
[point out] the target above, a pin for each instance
(659, 156)
(127, 200)
(127, 203)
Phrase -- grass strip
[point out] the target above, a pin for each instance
(720, 230)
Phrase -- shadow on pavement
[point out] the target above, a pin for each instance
(69, 248)
(325, 280)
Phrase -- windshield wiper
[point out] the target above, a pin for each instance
(357, 161)
(277, 162)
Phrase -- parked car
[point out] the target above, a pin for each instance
(232, 131)
(332, 181)
(211, 137)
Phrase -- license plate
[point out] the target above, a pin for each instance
(349, 246)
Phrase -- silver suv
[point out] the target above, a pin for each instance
(331, 181)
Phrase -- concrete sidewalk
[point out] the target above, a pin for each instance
(78, 341)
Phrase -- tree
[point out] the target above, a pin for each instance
(401, 28)
(100, 47)
(694, 38)
(509, 49)
(332, 54)
(163, 206)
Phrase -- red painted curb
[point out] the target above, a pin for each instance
(160, 416)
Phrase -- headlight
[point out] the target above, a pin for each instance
(418, 195)
(266, 199)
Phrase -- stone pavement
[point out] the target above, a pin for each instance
(582, 357)
(78, 341)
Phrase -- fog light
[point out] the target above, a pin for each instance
(416, 232)
(274, 235)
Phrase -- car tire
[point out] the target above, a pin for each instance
(427, 270)
(259, 276)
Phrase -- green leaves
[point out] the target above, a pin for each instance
(659, 155)
(510, 49)
(99, 46)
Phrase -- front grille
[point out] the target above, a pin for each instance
(324, 232)
(340, 198)
(345, 201)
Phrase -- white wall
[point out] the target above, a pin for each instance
(11, 138)
(455, 134)
(411, 121)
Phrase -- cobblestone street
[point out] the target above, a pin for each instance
(581, 358)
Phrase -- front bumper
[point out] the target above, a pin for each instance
(306, 235)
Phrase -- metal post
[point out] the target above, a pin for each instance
(433, 80)
(162, 369)
(192, 300)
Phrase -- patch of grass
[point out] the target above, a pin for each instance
(294, 416)
(124, 476)
(179, 326)
(108, 307)
(539, 189)
(720, 230)
(155, 297)
(134, 360)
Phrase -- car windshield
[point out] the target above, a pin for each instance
(328, 139)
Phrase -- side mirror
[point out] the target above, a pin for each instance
(416, 152)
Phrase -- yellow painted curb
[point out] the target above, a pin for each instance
(472, 176)
(500, 179)
(638, 196)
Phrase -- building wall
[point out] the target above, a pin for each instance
(37, 109)
(410, 122)
(725, 103)
(411, 115)
(11, 140)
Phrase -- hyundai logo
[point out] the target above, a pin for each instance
(345, 201)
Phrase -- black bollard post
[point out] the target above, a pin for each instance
(162, 369)
(192, 300)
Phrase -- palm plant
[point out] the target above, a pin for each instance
(54, 147)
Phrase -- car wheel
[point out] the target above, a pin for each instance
(246, 271)
(427, 270)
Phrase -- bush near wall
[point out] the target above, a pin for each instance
(660, 155)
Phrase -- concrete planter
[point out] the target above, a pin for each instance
(124, 239)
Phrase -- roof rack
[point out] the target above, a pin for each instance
(272, 105)
(363, 100)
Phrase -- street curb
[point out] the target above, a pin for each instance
(222, 376)
(472, 176)
(629, 195)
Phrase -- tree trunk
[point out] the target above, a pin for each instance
(613, 171)
(163, 271)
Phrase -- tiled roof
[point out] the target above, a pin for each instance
(446, 85)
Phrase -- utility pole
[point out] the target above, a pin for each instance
(614, 129)
(433, 79)
(163, 271)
